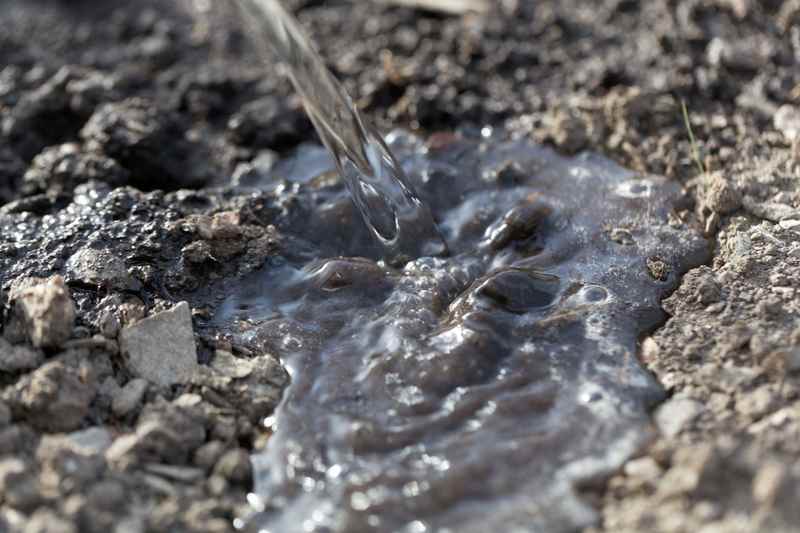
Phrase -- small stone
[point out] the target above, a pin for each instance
(95, 440)
(676, 413)
(18, 358)
(164, 434)
(720, 196)
(254, 386)
(235, 467)
(787, 121)
(769, 307)
(109, 325)
(99, 268)
(228, 365)
(650, 350)
(161, 348)
(790, 224)
(208, 454)
(55, 397)
(128, 397)
(755, 403)
(46, 521)
(45, 310)
(645, 468)
(779, 279)
(18, 484)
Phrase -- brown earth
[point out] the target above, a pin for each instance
(96, 95)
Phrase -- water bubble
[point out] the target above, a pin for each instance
(638, 188)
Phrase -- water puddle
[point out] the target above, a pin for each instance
(466, 393)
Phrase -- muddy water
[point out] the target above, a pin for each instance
(466, 393)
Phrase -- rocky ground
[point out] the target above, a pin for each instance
(126, 131)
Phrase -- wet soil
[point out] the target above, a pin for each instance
(131, 141)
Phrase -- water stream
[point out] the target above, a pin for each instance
(386, 200)
(471, 391)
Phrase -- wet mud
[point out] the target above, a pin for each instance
(470, 391)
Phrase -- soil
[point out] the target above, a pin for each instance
(128, 132)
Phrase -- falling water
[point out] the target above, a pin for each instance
(396, 216)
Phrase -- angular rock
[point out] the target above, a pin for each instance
(99, 268)
(166, 434)
(161, 348)
(55, 397)
(44, 310)
(254, 386)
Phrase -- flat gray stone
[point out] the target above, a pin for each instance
(161, 348)
(95, 440)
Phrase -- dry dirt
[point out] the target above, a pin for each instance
(142, 113)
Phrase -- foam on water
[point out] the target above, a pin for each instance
(466, 393)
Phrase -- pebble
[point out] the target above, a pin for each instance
(676, 413)
(18, 484)
(99, 268)
(45, 310)
(721, 196)
(161, 348)
(18, 358)
(95, 440)
(126, 399)
(55, 397)
(790, 223)
(46, 521)
(235, 467)
(208, 454)
(644, 468)
(787, 121)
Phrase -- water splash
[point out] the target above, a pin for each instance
(396, 216)
(472, 392)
